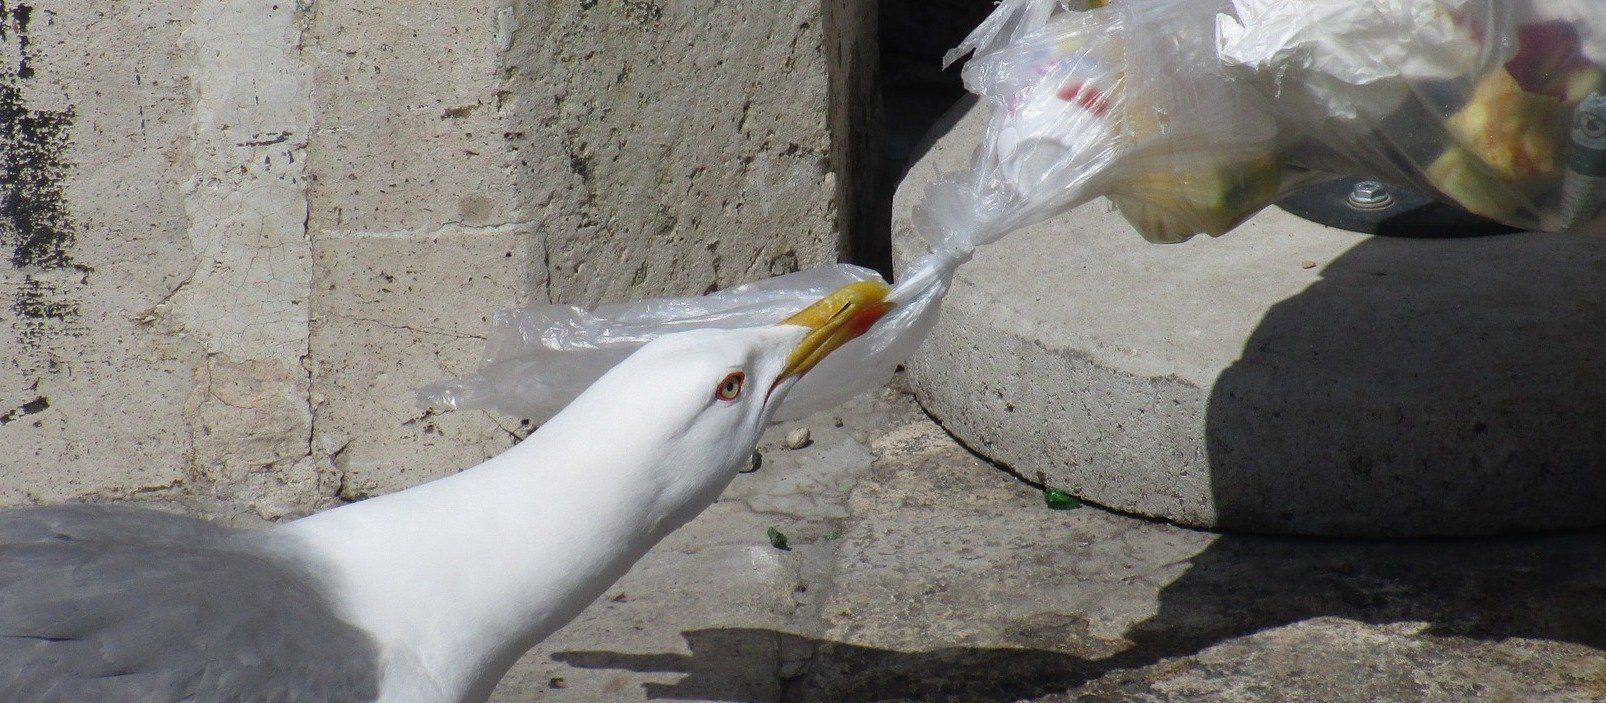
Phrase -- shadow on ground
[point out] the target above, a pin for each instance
(1546, 588)
(718, 670)
(1422, 387)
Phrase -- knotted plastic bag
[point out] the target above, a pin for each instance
(1188, 116)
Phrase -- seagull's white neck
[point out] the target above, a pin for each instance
(459, 577)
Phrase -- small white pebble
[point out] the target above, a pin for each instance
(798, 438)
(1307, 264)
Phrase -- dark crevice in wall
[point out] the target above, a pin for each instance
(863, 204)
(888, 90)
(915, 90)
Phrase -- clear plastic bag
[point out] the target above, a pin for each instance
(539, 358)
(1189, 116)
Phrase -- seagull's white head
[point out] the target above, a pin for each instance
(690, 406)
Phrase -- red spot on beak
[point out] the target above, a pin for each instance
(866, 318)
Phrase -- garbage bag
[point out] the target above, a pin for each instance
(1191, 115)
(1188, 116)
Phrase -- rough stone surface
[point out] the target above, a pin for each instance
(90, 250)
(412, 118)
(918, 573)
(245, 303)
(237, 234)
(390, 311)
(650, 129)
(1399, 387)
(416, 232)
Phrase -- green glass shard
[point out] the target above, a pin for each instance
(777, 539)
(1057, 499)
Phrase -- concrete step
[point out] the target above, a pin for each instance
(1286, 378)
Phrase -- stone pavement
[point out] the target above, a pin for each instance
(918, 573)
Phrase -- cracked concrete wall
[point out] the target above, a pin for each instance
(239, 233)
(245, 304)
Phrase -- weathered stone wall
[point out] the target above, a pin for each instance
(238, 233)
(651, 128)
(93, 230)
(416, 232)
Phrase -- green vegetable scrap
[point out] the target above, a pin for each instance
(1057, 499)
(777, 539)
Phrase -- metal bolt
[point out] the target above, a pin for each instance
(1370, 195)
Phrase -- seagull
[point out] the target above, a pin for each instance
(428, 595)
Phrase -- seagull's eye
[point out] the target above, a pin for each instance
(731, 387)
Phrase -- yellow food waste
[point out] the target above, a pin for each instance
(1171, 206)
(1506, 143)
(1510, 129)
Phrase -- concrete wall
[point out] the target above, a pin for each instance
(654, 128)
(238, 233)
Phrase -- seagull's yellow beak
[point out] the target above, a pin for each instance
(835, 319)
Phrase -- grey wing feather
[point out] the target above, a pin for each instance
(110, 604)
